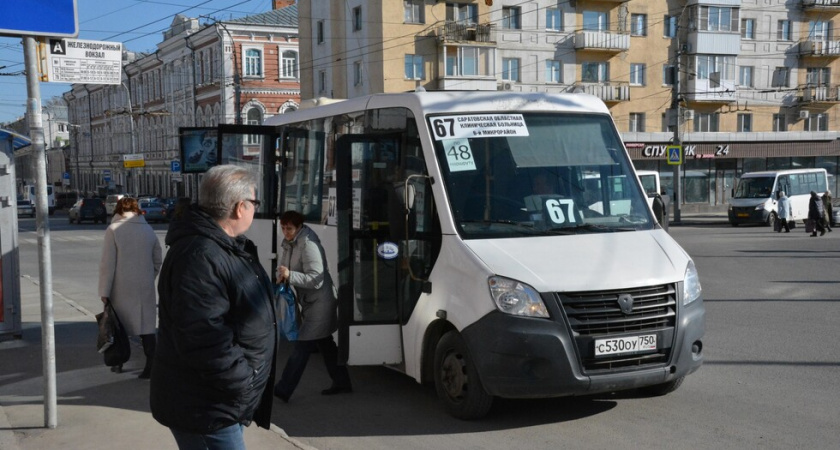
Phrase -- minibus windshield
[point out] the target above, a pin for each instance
(517, 175)
(754, 187)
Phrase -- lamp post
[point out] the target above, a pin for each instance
(133, 137)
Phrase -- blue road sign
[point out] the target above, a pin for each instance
(57, 18)
(675, 155)
(176, 166)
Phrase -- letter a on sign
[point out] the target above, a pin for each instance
(675, 155)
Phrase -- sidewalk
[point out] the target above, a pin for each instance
(97, 409)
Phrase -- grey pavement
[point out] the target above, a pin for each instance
(97, 409)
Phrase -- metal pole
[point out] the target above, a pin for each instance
(675, 107)
(133, 138)
(36, 133)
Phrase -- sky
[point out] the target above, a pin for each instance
(138, 24)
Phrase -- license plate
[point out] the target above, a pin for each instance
(629, 344)
(743, 215)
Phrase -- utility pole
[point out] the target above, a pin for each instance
(675, 107)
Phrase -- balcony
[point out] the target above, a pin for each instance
(707, 91)
(452, 31)
(821, 94)
(713, 43)
(822, 49)
(820, 5)
(608, 92)
(607, 41)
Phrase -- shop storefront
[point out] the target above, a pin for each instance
(710, 169)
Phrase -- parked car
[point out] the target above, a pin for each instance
(92, 209)
(64, 200)
(154, 211)
(25, 208)
(111, 203)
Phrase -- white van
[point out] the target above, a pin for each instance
(495, 244)
(754, 199)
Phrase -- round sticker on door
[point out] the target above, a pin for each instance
(387, 250)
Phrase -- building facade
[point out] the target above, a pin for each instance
(234, 71)
(742, 85)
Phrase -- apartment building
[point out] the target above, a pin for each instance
(203, 73)
(743, 85)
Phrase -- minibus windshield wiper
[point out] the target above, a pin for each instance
(587, 227)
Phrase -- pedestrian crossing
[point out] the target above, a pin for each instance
(34, 240)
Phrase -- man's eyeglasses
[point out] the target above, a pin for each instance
(256, 203)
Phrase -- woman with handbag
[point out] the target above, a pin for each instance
(131, 259)
(304, 267)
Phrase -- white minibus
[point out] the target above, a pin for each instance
(755, 198)
(472, 247)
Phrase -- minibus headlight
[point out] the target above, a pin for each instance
(516, 298)
(691, 284)
(760, 207)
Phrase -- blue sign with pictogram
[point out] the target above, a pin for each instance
(675, 155)
(175, 165)
(57, 18)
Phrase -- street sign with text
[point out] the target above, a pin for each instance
(57, 18)
(85, 62)
(134, 160)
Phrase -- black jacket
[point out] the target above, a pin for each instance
(215, 356)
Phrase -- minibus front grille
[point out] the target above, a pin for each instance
(598, 315)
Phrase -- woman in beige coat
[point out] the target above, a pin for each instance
(131, 259)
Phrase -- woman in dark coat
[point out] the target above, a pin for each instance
(304, 266)
(816, 213)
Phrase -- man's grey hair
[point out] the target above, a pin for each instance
(223, 187)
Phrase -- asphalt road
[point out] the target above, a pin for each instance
(769, 381)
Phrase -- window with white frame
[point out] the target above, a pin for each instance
(595, 72)
(637, 122)
(783, 30)
(288, 64)
(319, 31)
(745, 76)
(704, 65)
(781, 77)
(638, 24)
(818, 76)
(357, 18)
(553, 71)
(595, 21)
(668, 74)
(466, 13)
(748, 29)
(706, 122)
(717, 18)
(818, 30)
(414, 67)
(817, 122)
(554, 19)
(510, 69)
(511, 18)
(254, 117)
(637, 74)
(779, 122)
(253, 62)
(414, 11)
(670, 24)
(745, 122)
(468, 61)
(357, 73)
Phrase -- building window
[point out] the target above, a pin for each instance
(708, 64)
(254, 117)
(818, 30)
(414, 12)
(414, 67)
(781, 77)
(322, 81)
(816, 122)
(745, 123)
(595, 72)
(466, 13)
(637, 122)
(668, 74)
(357, 18)
(510, 69)
(289, 64)
(779, 122)
(745, 76)
(253, 62)
(717, 18)
(638, 24)
(670, 26)
(595, 21)
(511, 18)
(553, 19)
(553, 71)
(708, 122)
(469, 61)
(666, 125)
(818, 76)
(748, 29)
(637, 74)
(320, 31)
(357, 73)
(783, 30)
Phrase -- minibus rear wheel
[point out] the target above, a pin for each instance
(456, 379)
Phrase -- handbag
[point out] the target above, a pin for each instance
(112, 341)
(288, 311)
(810, 225)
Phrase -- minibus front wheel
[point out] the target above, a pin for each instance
(456, 379)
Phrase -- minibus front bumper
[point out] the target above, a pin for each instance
(748, 214)
(518, 357)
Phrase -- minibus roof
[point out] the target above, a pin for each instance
(773, 173)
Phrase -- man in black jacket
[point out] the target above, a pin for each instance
(215, 358)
